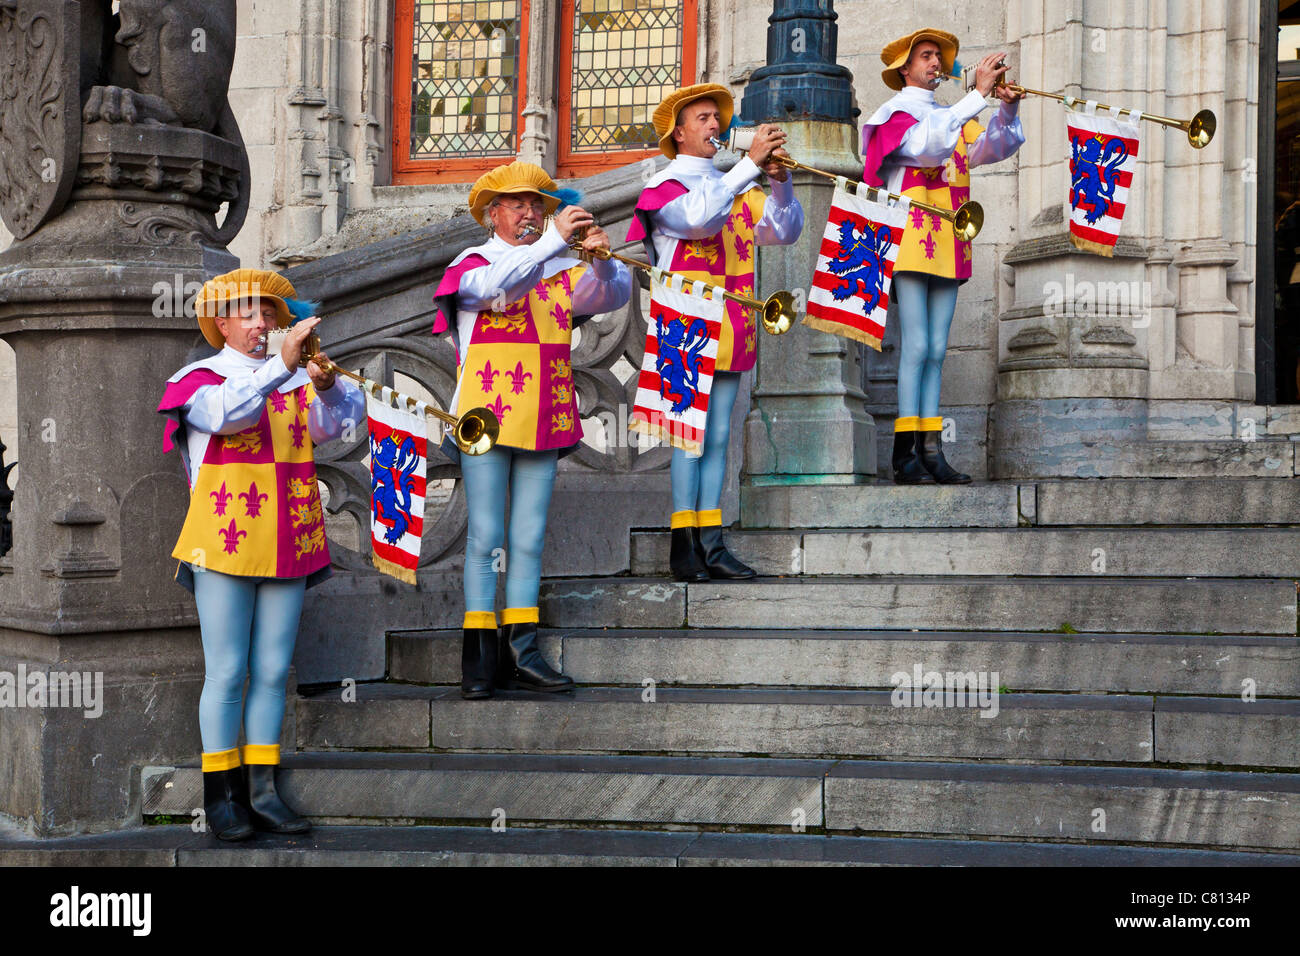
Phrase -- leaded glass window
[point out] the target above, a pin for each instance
(464, 78)
(626, 58)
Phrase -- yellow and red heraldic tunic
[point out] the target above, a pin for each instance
(515, 309)
(249, 429)
(705, 224)
(913, 146)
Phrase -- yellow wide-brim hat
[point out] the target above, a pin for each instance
(665, 115)
(234, 286)
(896, 54)
(514, 178)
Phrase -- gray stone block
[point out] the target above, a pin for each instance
(1136, 806)
(878, 506)
(404, 787)
(1017, 604)
(798, 723)
(1183, 501)
(1095, 552)
(1228, 731)
(613, 602)
(448, 846)
(1024, 662)
(380, 717)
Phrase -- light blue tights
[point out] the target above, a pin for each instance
(527, 477)
(925, 308)
(248, 627)
(697, 480)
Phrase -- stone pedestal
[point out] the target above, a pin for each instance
(809, 422)
(93, 305)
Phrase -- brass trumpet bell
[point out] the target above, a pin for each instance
(476, 431)
(1201, 129)
(778, 313)
(968, 220)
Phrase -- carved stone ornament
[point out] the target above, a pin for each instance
(142, 91)
(40, 110)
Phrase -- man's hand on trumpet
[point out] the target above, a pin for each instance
(573, 219)
(595, 238)
(768, 139)
(989, 72)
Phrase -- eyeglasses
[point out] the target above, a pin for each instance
(517, 208)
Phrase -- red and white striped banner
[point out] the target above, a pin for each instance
(1103, 159)
(681, 347)
(398, 456)
(850, 286)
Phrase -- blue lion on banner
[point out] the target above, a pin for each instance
(1094, 171)
(860, 263)
(392, 476)
(678, 361)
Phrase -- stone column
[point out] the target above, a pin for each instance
(809, 423)
(93, 299)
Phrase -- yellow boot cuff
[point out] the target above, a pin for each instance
(683, 519)
(480, 621)
(262, 754)
(711, 519)
(932, 424)
(519, 615)
(908, 424)
(221, 760)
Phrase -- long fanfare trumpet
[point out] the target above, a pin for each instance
(967, 219)
(776, 313)
(475, 432)
(1200, 128)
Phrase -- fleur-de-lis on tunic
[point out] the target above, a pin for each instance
(252, 499)
(278, 402)
(222, 498)
(936, 222)
(918, 219)
(543, 293)
(300, 396)
(298, 429)
(517, 376)
(747, 216)
(499, 409)
(566, 283)
(232, 536)
(488, 376)
(959, 161)
(928, 246)
(742, 248)
(561, 315)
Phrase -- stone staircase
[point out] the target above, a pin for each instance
(1142, 635)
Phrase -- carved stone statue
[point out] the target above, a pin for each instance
(131, 107)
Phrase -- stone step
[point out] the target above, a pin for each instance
(1174, 501)
(1065, 552)
(980, 505)
(1100, 604)
(808, 723)
(1098, 804)
(1098, 663)
(1010, 504)
(480, 846)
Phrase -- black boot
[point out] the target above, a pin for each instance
(478, 662)
(930, 448)
(225, 804)
(684, 556)
(267, 810)
(908, 469)
(528, 670)
(720, 562)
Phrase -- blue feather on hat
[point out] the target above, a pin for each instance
(301, 309)
(567, 197)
